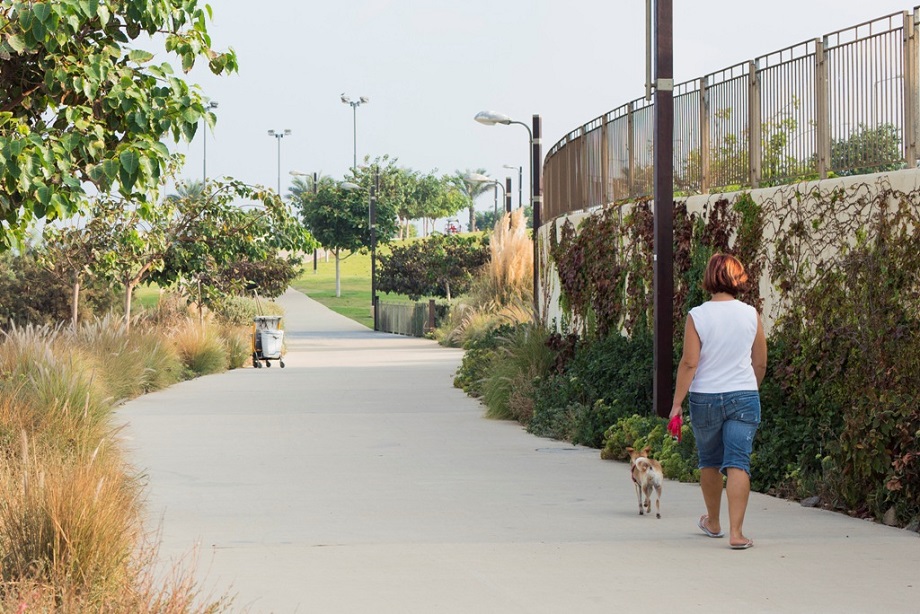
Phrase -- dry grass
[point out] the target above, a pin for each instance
(200, 348)
(71, 539)
(508, 277)
(503, 293)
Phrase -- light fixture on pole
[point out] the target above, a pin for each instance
(480, 178)
(315, 188)
(354, 111)
(279, 134)
(520, 170)
(372, 226)
(490, 118)
(204, 133)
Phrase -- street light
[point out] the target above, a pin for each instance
(490, 118)
(520, 170)
(372, 225)
(354, 112)
(315, 190)
(480, 178)
(279, 134)
(204, 133)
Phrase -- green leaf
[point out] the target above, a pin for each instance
(43, 194)
(129, 161)
(140, 56)
(110, 169)
(15, 41)
(42, 11)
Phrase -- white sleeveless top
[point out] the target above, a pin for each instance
(727, 330)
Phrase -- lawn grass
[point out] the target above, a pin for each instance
(355, 277)
(355, 274)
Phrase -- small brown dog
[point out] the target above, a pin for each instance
(646, 475)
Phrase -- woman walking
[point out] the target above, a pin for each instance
(724, 360)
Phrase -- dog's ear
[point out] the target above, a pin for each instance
(630, 450)
(646, 451)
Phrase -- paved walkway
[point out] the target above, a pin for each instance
(359, 480)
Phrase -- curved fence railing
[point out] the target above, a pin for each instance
(846, 103)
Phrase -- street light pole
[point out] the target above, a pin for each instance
(279, 134)
(520, 170)
(354, 104)
(663, 278)
(490, 118)
(204, 133)
(480, 178)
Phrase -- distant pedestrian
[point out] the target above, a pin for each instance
(723, 363)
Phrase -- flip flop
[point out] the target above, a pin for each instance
(704, 520)
(748, 544)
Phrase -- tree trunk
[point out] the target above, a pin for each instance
(338, 280)
(129, 291)
(75, 304)
(447, 285)
(472, 219)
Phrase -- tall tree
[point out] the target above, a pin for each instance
(338, 219)
(82, 103)
(185, 237)
(471, 189)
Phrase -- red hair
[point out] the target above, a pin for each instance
(724, 273)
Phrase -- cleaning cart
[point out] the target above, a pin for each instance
(267, 339)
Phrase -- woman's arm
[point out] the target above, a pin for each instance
(759, 352)
(687, 367)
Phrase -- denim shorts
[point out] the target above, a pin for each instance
(724, 425)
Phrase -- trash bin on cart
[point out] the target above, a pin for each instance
(267, 341)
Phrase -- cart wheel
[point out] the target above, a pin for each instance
(255, 361)
(282, 364)
(268, 364)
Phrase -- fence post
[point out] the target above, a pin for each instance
(605, 160)
(704, 135)
(755, 128)
(431, 322)
(911, 88)
(822, 110)
(630, 151)
(584, 185)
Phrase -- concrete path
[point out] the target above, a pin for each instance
(359, 480)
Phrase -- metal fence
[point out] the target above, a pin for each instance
(843, 104)
(413, 319)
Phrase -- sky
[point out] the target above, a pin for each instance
(428, 66)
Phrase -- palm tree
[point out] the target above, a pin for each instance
(472, 190)
(187, 190)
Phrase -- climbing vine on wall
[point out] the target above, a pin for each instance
(841, 418)
(605, 267)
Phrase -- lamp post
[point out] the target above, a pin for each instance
(279, 134)
(372, 225)
(520, 170)
(204, 133)
(315, 190)
(354, 104)
(490, 118)
(480, 178)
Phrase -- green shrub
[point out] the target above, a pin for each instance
(678, 459)
(238, 310)
(605, 380)
(48, 296)
(477, 360)
(507, 384)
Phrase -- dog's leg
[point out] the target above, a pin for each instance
(648, 498)
(657, 501)
(639, 495)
